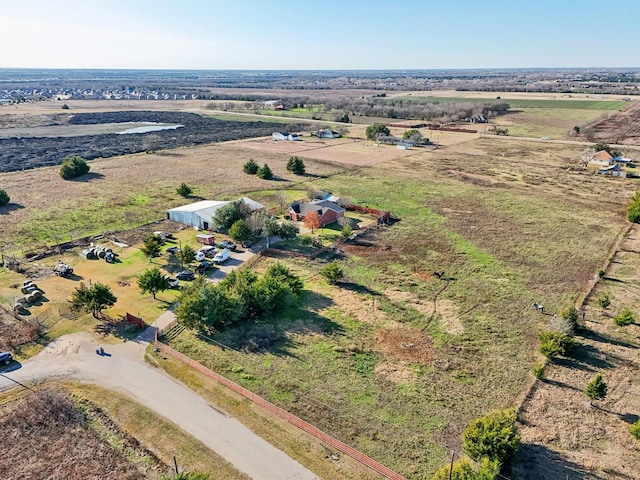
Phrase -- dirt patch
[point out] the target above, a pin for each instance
(406, 345)
(448, 316)
(395, 373)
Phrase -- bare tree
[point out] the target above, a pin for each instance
(255, 221)
(282, 198)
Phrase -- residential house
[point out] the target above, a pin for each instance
(329, 212)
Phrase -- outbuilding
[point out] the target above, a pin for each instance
(198, 214)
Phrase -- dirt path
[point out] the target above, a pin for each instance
(123, 368)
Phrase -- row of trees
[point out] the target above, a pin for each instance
(242, 294)
(252, 168)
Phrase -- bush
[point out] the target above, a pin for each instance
(184, 190)
(73, 167)
(264, 172)
(634, 430)
(463, 470)
(538, 371)
(296, 165)
(570, 315)
(596, 389)
(239, 231)
(604, 301)
(4, 198)
(553, 343)
(250, 167)
(493, 436)
(624, 318)
(332, 272)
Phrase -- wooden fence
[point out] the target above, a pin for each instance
(292, 419)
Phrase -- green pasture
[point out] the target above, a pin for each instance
(526, 103)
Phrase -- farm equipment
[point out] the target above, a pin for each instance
(62, 270)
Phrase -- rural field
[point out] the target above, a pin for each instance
(395, 360)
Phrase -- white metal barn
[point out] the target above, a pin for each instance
(197, 214)
(200, 214)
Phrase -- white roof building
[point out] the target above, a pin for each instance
(200, 214)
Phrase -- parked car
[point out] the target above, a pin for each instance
(185, 275)
(173, 249)
(6, 358)
(222, 256)
(173, 282)
(247, 244)
(204, 267)
(228, 245)
(200, 256)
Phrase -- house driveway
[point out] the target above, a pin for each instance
(124, 369)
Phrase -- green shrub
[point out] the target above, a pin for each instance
(624, 318)
(596, 389)
(493, 436)
(239, 231)
(264, 172)
(332, 272)
(538, 371)
(604, 301)
(570, 315)
(250, 167)
(4, 197)
(463, 470)
(634, 430)
(184, 190)
(554, 343)
(73, 167)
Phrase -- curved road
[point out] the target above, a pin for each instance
(124, 369)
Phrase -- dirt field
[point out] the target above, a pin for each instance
(41, 431)
(565, 437)
(621, 128)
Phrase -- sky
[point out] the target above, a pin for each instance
(318, 35)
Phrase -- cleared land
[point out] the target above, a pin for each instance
(44, 427)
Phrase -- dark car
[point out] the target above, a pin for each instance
(228, 245)
(186, 275)
(203, 267)
(173, 249)
(5, 358)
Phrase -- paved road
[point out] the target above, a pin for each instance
(123, 369)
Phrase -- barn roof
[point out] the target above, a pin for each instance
(200, 206)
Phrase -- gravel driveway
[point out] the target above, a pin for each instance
(123, 369)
